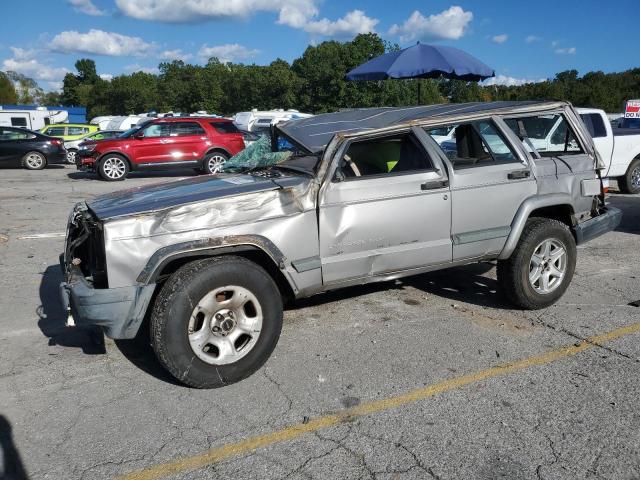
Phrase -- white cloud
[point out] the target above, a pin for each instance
(86, 6)
(500, 38)
(351, 24)
(99, 42)
(34, 69)
(510, 81)
(227, 53)
(449, 24)
(23, 54)
(106, 76)
(532, 39)
(176, 54)
(565, 51)
(136, 67)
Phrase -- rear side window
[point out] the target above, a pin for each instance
(594, 124)
(55, 131)
(18, 122)
(549, 135)
(182, 129)
(391, 155)
(225, 127)
(77, 130)
(474, 144)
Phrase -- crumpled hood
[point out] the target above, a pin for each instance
(150, 198)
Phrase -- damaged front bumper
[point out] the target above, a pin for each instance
(118, 311)
(596, 226)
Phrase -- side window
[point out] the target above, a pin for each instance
(594, 124)
(76, 131)
(550, 135)
(8, 135)
(474, 144)
(390, 155)
(55, 131)
(157, 130)
(18, 122)
(225, 127)
(183, 129)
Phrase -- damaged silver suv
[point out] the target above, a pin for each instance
(330, 201)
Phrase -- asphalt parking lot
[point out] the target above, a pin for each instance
(431, 377)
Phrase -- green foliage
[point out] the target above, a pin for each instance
(7, 90)
(315, 82)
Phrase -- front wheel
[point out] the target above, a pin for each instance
(630, 183)
(541, 267)
(113, 168)
(216, 321)
(214, 162)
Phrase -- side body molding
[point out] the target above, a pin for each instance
(213, 246)
(523, 213)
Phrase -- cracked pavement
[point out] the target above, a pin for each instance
(76, 405)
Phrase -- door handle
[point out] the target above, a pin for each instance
(518, 174)
(434, 185)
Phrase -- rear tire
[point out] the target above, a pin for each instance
(216, 321)
(71, 156)
(630, 183)
(541, 267)
(34, 161)
(113, 167)
(213, 162)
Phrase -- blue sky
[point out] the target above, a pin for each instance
(520, 40)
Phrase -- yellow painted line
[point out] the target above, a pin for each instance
(294, 431)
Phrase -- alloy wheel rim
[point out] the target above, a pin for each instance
(548, 266)
(71, 156)
(225, 325)
(216, 163)
(635, 177)
(34, 160)
(114, 167)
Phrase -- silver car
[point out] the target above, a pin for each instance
(73, 146)
(330, 201)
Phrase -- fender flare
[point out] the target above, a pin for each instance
(523, 213)
(213, 246)
(213, 149)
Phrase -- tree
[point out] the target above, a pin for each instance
(7, 90)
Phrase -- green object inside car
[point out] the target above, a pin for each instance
(382, 156)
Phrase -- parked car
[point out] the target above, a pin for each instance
(161, 144)
(73, 145)
(68, 131)
(29, 149)
(211, 260)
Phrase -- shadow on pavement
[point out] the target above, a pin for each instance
(12, 466)
(630, 206)
(53, 317)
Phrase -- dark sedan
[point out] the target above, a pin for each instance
(28, 149)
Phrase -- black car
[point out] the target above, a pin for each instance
(29, 149)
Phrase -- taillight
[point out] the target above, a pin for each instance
(55, 141)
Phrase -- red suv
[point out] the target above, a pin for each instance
(165, 143)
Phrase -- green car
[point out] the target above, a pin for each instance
(68, 131)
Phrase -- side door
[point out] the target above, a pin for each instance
(189, 141)
(155, 145)
(490, 180)
(12, 146)
(386, 209)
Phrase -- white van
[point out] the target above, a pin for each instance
(32, 119)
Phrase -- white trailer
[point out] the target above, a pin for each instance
(260, 121)
(32, 119)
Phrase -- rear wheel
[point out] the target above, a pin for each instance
(113, 168)
(71, 156)
(214, 162)
(630, 183)
(34, 161)
(541, 267)
(216, 321)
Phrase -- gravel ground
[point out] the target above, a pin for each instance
(76, 405)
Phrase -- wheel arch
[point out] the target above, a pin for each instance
(218, 149)
(558, 206)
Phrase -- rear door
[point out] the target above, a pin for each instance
(189, 142)
(154, 147)
(490, 181)
(387, 209)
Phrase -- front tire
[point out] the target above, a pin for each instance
(214, 161)
(113, 168)
(541, 267)
(216, 321)
(34, 161)
(630, 183)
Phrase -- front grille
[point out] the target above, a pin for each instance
(85, 246)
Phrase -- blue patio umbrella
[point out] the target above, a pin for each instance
(423, 61)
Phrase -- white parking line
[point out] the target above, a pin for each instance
(42, 235)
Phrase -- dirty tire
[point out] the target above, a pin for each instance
(34, 161)
(630, 183)
(513, 273)
(113, 167)
(174, 306)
